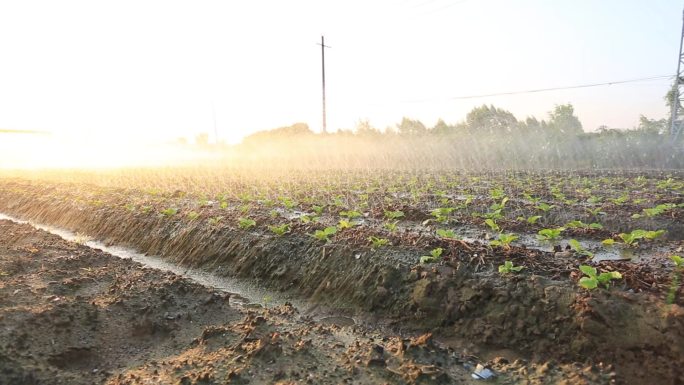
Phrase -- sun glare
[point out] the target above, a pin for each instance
(24, 151)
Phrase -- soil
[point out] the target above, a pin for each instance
(70, 314)
(538, 324)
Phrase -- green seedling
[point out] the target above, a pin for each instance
(619, 201)
(345, 224)
(246, 223)
(577, 247)
(378, 242)
(288, 203)
(504, 240)
(533, 219)
(223, 205)
(130, 207)
(676, 278)
(215, 220)
(433, 257)
(633, 237)
(608, 242)
(280, 230)
(351, 214)
(446, 234)
(393, 215)
(192, 215)
(307, 218)
(146, 209)
(325, 234)
(532, 199)
(508, 268)
(498, 207)
(317, 209)
(497, 193)
(442, 214)
(594, 199)
(169, 212)
(593, 279)
(595, 212)
(550, 234)
(665, 184)
(391, 226)
(492, 225)
(576, 224)
(655, 211)
(545, 207)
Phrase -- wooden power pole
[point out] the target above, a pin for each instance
(323, 47)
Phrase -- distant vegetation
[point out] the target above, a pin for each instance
(488, 138)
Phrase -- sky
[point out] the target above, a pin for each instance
(143, 71)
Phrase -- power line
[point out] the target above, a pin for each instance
(549, 89)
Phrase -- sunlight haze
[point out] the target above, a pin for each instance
(154, 71)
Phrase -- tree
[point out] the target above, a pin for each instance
(364, 128)
(562, 120)
(490, 120)
(411, 127)
(296, 130)
(532, 126)
(652, 126)
(441, 127)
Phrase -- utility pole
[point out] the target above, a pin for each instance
(323, 47)
(678, 92)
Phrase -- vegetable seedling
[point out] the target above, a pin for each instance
(504, 240)
(169, 212)
(508, 268)
(433, 257)
(446, 234)
(550, 234)
(392, 215)
(575, 245)
(280, 230)
(246, 223)
(593, 279)
(378, 242)
(324, 235)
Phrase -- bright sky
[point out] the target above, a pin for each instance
(152, 70)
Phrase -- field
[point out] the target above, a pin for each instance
(546, 277)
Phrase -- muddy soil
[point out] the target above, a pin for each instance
(70, 314)
(540, 314)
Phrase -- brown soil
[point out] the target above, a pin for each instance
(70, 314)
(540, 315)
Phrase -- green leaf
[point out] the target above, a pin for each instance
(575, 245)
(588, 283)
(492, 225)
(608, 242)
(446, 233)
(678, 261)
(516, 268)
(533, 219)
(428, 259)
(394, 214)
(588, 270)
